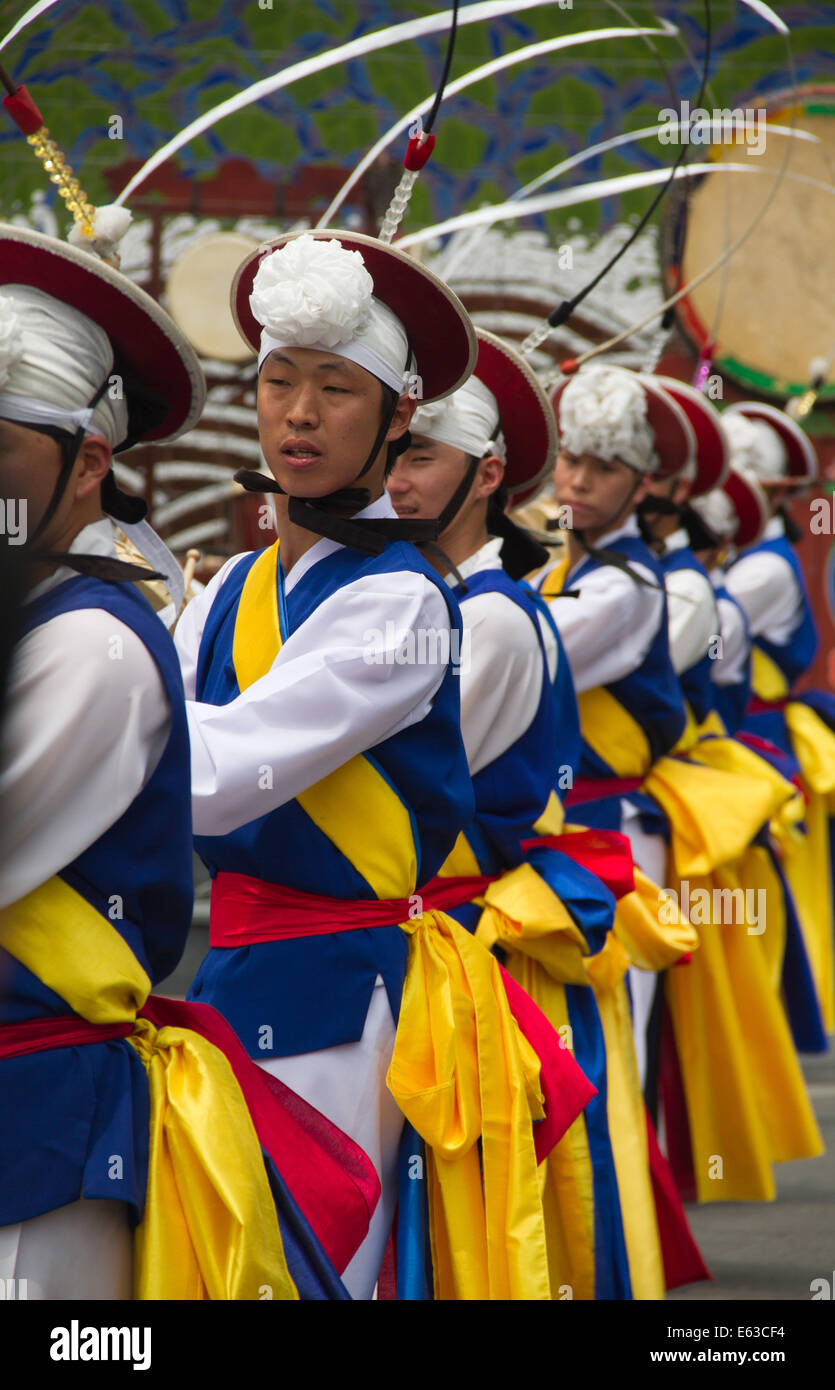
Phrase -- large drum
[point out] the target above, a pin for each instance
(770, 310)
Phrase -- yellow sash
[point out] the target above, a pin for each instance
(546, 952)
(210, 1229)
(461, 1069)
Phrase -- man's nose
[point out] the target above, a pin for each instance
(303, 408)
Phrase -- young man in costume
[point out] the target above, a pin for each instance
(329, 777)
(547, 912)
(129, 1164)
(747, 1015)
(767, 582)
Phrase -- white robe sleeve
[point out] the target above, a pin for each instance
(86, 723)
(609, 627)
(367, 663)
(729, 668)
(692, 618)
(501, 676)
(767, 591)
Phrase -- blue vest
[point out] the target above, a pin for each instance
(293, 996)
(795, 656)
(696, 681)
(64, 1113)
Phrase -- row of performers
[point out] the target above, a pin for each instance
(520, 906)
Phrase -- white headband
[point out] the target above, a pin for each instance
(756, 446)
(53, 360)
(468, 420)
(316, 294)
(603, 411)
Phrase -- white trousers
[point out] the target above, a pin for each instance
(650, 854)
(348, 1085)
(80, 1251)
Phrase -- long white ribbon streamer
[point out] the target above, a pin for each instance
(586, 193)
(25, 19)
(468, 79)
(357, 48)
(645, 133)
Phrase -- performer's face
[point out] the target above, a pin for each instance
(425, 478)
(318, 417)
(601, 493)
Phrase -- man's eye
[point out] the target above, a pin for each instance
(340, 390)
(277, 381)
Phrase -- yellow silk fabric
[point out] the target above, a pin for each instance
(809, 867)
(210, 1229)
(716, 797)
(767, 680)
(462, 1071)
(746, 1098)
(546, 952)
(387, 859)
(653, 940)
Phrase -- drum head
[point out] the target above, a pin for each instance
(770, 315)
(197, 294)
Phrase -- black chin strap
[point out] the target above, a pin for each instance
(369, 534)
(97, 566)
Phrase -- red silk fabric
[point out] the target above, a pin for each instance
(272, 913)
(596, 788)
(329, 1177)
(606, 853)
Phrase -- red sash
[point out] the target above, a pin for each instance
(606, 853)
(597, 788)
(271, 912)
(330, 1178)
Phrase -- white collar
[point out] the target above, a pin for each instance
(679, 540)
(488, 557)
(381, 507)
(775, 528)
(99, 538)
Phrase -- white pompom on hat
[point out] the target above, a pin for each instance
(623, 416)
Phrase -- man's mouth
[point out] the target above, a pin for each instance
(406, 511)
(296, 452)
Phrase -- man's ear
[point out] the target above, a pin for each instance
(681, 491)
(92, 465)
(643, 489)
(489, 476)
(401, 419)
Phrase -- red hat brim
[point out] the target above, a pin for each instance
(149, 343)
(674, 439)
(525, 414)
(751, 506)
(803, 461)
(436, 322)
(711, 445)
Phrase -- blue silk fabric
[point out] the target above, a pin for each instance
(314, 992)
